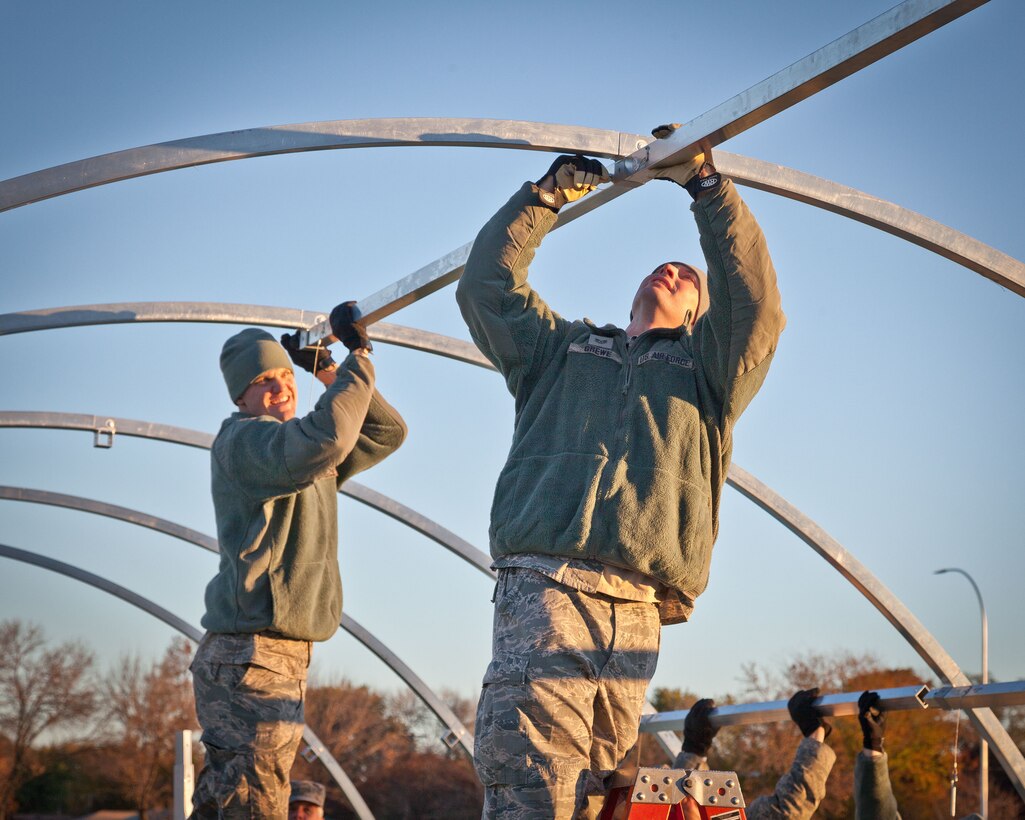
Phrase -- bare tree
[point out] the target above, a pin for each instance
(147, 706)
(40, 690)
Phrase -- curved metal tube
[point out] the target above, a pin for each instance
(221, 313)
(311, 136)
(531, 136)
(113, 426)
(192, 633)
(891, 607)
(843, 561)
(457, 732)
(669, 742)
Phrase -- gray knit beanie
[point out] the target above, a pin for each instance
(704, 300)
(248, 354)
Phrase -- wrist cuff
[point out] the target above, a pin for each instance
(550, 199)
(698, 184)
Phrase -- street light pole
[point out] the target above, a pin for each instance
(983, 746)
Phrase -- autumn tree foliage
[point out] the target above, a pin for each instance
(42, 690)
(389, 747)
(147, 707)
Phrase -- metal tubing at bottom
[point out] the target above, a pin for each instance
(902, 699)
(906, 697)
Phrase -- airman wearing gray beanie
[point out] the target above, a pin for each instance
(246, 355)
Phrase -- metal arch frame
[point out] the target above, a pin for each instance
(669, 742)
(193, 634)
(891, 607)
(111, 426)
(457, 732)
(226, 313)
(856, 573)
(776, 179)
(870, 42)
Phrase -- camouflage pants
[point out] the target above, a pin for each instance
(249, 701)
(561, 700)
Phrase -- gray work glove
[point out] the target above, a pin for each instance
(698, 731)
(804, 714)
(348, 329)
(872, 719)
(575, 177)
(312, 358)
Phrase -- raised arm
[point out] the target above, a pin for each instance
(266, 458)
(511, 324)
(798, 793)
(735, 341)
(383, 428)
(382, 432)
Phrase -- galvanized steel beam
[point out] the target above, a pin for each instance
(457, 732)
(309, 136)
(741, 714)
(849, 567)
(861, 47)
(223, 313)
(195, 635)
(193, 438)
(902, 699)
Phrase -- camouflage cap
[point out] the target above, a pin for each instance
(306, 791)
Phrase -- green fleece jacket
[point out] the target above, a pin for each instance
(274, 487)
(620, 452)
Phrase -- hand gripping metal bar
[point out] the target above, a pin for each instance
(861, 47)
(844, 703)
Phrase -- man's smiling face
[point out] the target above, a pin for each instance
(272, 393)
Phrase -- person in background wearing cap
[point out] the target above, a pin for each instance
(278, 588)
(605, 513)
(307, 801)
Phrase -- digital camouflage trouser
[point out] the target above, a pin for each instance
(249, 701)
(561, 700)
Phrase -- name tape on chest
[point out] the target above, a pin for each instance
(661, 356)
(601, 346)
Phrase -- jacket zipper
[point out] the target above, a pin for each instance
(614, 453)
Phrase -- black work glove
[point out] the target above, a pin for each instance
(872, 719)
(698, 731)
(575, 177)
(312, 358)
(349, 330)
(804, 714)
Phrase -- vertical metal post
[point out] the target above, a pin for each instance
(983, 745)
(184, 775)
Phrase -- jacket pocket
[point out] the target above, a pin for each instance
(500, 739)
(546, 503)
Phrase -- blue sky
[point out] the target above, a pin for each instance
(892, 415)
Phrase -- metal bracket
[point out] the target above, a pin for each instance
(319, 331)
(103, 437)
(310, 754)
(451, 739)
(672, 786)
